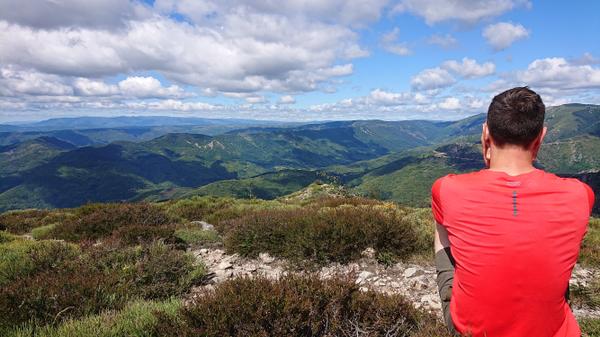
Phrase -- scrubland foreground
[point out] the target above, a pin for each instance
(127, 269)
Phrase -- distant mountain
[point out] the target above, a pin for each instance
(390, 160)
(79, 123)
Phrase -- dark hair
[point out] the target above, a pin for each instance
(516, 117)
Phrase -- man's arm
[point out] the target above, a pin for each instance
(441, 238)
(444, 265)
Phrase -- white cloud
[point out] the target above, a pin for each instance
(263, 51)
(87, 87)
(287, 99)
(432, 78)
(558, 73)
(467, 11)
(106, 14)
(256, 99)
(381, 97)
(347, 12)
(14, 81)
(147, 87)
(469, 68)
(586, 58)
(445, 41)
(389, 42)
(503, 34)
(450, 103)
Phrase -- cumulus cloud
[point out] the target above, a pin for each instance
(148, 87)
(432, 78)
(503, 34)
(467, 11)
(381, 97)
(389, 42)
(14, 81)
(469, 68)
(105, 14)
(243, 50)
(445, 41)
(558, 73)
(287, 99)
(450, 103)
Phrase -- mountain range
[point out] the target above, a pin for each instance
(161, 158)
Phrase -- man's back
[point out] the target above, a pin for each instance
(515, 240)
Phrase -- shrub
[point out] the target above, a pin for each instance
(590, 326)
(154, 271)
(136, 319)
(42, 232)
(95, 221)
(322, 234)
(49, 281)
(162, 272)
(8, 237)
(295, 306)
(139, 234)
(20, 258)
(23, 221)
(198, 208)
(197, 236)
(590, 254)
(50, 296)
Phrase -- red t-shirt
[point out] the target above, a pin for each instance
(515, 240)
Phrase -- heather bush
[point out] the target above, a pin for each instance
(49, 296)
(142, 234)
(20, 258)
(8, 237)
(42, 232)
(192, 235)
(296, 306)
(590, 326)
(198, 208)
(46, 282)
(138, 319)
(96, 221)
(23, 221)
(323, 234)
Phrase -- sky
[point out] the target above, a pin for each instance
(295, 60)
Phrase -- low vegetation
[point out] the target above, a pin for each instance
(331, 230)
(121, 269)
(298, 306)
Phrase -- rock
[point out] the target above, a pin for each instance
(205, 225)
(363, 276)
(431, 300)
(368, 253)
(412, 272)
(224, 265)
(266, 258)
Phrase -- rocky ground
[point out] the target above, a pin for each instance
(415, 282)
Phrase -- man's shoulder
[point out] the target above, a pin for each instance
(454, 178)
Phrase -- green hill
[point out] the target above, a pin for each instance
(390, 160)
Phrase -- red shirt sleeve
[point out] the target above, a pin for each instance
(436, 204)
(591, 196)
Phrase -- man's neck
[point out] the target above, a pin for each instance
(512, 160)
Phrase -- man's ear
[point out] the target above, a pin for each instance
(537, 143)
(486, 144)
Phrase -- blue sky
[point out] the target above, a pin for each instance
(291, 60)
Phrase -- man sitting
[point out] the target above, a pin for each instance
(508, 236)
